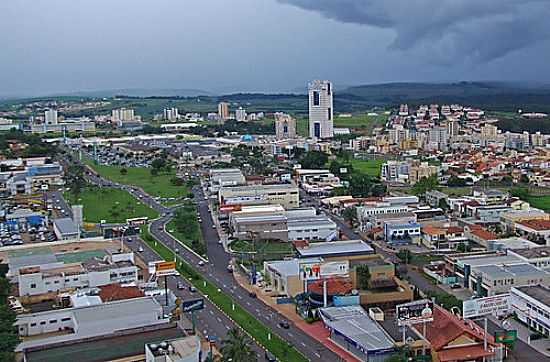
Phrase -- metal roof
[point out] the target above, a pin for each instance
(345, 247)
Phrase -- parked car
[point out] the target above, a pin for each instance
(252, 295)
(456, 286)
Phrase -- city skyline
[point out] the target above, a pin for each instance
(117, 46)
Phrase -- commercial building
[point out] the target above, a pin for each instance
(348, 249)
(273, 222)
(285, 126)
(65, 229)
(536, 256)
(185, 349)
(69, 326)
(489, 280)
(320, 109)
(454, 339)
(47, 275)
(531, 304)
(396, 233)
(224, 177)
(356, 332)
(82, 124)
(285, 195)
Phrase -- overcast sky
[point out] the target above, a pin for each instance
(51, 46)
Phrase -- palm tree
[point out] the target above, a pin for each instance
(236, 347)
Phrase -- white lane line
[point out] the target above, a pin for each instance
(211, 312)
(303, 344)
(219, 319)
(290, 335)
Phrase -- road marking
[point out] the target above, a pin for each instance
(211, 312)
(290, 335)
(219, 319)
(240, 297)
(302, 343)
(228, 328)
(248, 303)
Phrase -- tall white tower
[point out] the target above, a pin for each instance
(50, 116)
(320, 109)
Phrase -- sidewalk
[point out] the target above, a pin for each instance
(315, 330)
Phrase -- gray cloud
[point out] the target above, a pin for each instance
(446, 30)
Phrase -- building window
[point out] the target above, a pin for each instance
(52, 321)
(42, 323)
(65, 319)
(33, 285)
(329, 114)
(316, 98)
(33, 324)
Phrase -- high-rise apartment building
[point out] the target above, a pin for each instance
(240, 114)
(223, 111)
(122, 115)
(320, 109)
(171, 114)
(50, 116)
(285, 126)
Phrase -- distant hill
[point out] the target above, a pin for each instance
(138, 92)
(489, 95)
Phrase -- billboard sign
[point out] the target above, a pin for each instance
(317, 270)
(192, 305)
(165, 268)
(420, 311)
(496, 305)
(507, 337)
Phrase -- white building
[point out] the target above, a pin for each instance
(122, 115)
(50, 116)
(56, 276)
(240, 114)
(171, 114)
(531, 304)
(320, 109)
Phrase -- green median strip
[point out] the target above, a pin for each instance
(276, 345)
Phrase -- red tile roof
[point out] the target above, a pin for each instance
(482, 233)
(536, 224)
(463, 353)
(446, 327)
(113, 292)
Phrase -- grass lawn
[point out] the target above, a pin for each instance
(276, 345)
(361, 121)
(159, 185)
(370, 167)
(540, 202)
(112, 205)
(186, 229)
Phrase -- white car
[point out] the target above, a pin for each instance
(140, 249)
(201, 263)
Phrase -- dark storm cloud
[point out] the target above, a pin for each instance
(446, 30)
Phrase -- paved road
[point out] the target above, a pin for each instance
(210, 321)
(215, 271)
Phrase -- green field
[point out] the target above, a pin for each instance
(540, 202)
(112, 205)
(250, 323)
(360, 121)
(159, 185)
(264, 247)
(370, 167)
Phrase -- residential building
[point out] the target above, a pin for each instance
(285, 126)
(438, 139)
(320, 109)
(122, 115)
(240, 114)
(443, 238)
(170, 114)
(285, 195)
(50, 117)
(420, 170)
(223, 111)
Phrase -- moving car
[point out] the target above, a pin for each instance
(284, 324)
